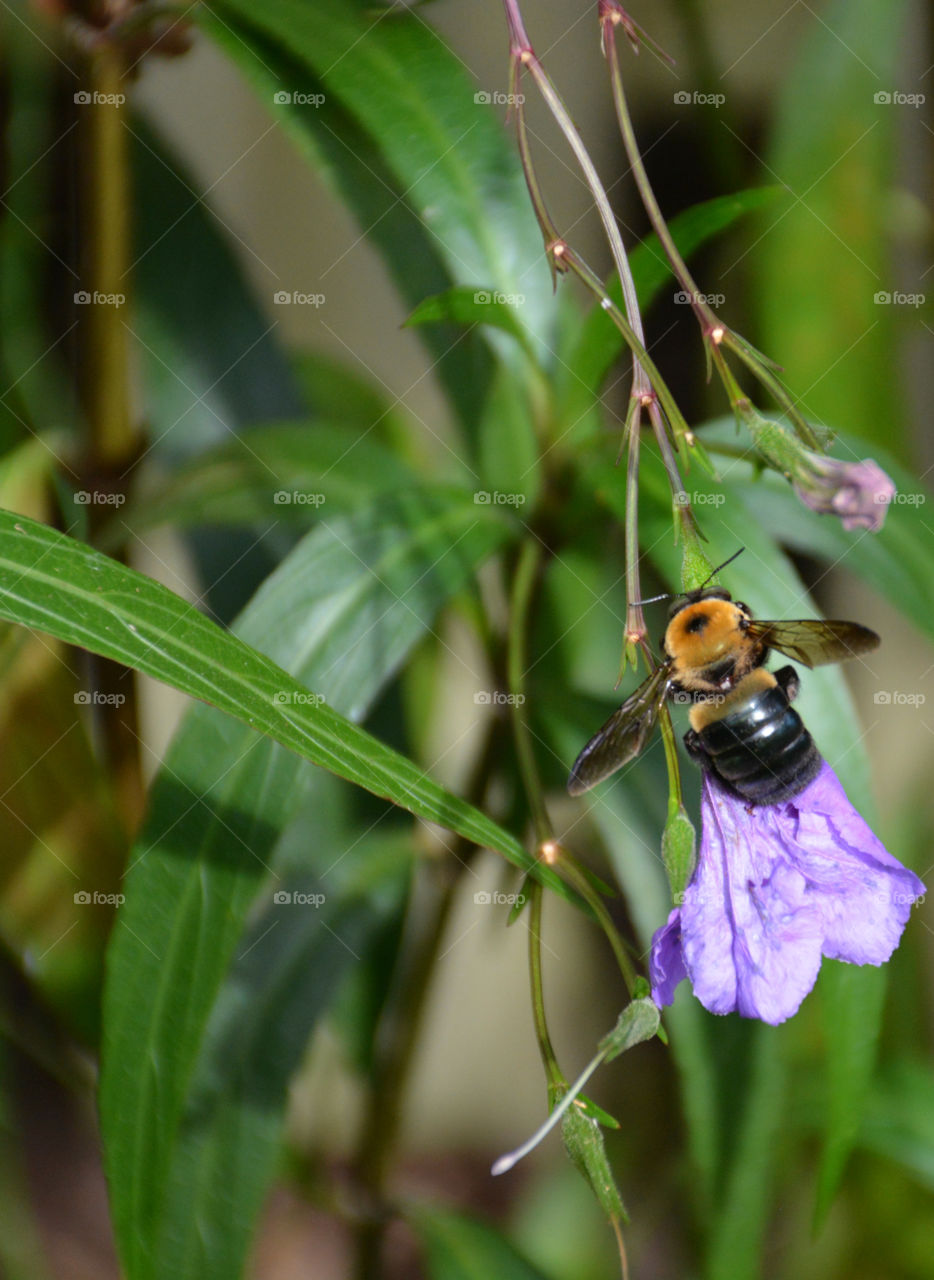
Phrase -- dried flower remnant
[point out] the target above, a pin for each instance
(858, 492)
(776, 888)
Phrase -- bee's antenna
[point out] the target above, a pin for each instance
(652, 599)
(714, 572)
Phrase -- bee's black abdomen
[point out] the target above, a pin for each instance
(762, 750)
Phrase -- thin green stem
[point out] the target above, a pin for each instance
(112, 442)
(396, 1039)
(593, 282)
(610, 18)
(636, 630)
(524, 55)
(566, 866)
(523, 588)
(753, 361)
(675, 796)
(556, 1078)
(107, 237)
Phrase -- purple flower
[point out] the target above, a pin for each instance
(858, 492)
(776, 888)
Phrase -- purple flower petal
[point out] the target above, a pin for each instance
(776, 888)
(667, 962)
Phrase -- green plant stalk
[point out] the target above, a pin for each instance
(106, 218)
(112, 442)
(753, 362)
(524, 582)
(661, 392)
(525, 579)
(566, 866)
(524, 55)
(609, 20)
(396, 1039)
(675, 795)
(557, 1083)
(636, 630)
(651, 400)
(713, 329)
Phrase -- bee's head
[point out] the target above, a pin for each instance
(695, 597)
(705, 627)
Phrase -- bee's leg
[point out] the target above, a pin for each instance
(789, 682)
(695, 747)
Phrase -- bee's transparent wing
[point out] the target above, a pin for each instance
(623, 736)
(812, 641)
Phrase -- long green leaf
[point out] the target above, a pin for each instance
(290, 965)
(446, 148)
(735, 1243)
(51, 583)
(341, 613)
(289, 473)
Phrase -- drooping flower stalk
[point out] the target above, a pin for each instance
(647, 386)
(715, 333)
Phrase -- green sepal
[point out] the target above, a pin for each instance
(679, 851)
(638, 1021)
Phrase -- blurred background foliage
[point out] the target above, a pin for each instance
(280, 1087)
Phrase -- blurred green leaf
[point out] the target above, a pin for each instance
(293, 473)
(447, 151)
(336, 392)
(333, 141)
(509, 451)
(741, 1211)
(461, 1248)
(208, 354)
(289, 966)
(341, 612)
(466, 305)
(852, 1000)
(898, 1121)
(823, 260)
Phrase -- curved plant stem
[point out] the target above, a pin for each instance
(112, 442)
(566, 866)
(524, 581)
(555, 1076)
(609, 20)
(107, 239)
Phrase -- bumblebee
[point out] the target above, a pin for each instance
(743, 726)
